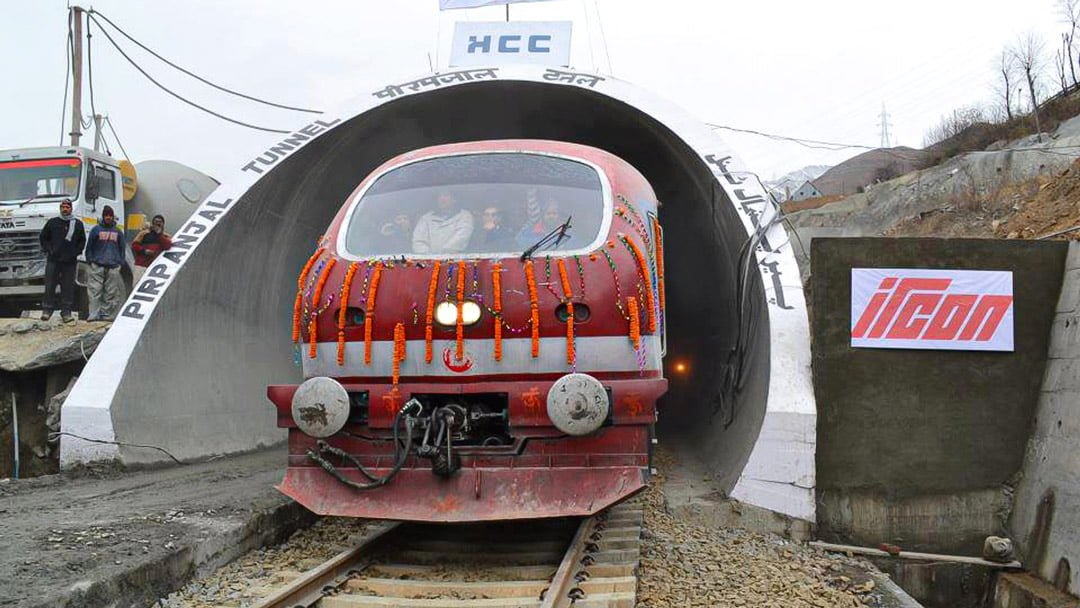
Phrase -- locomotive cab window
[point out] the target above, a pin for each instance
(479, 205)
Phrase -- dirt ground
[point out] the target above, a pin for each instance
(59, 532)
(1025, 210)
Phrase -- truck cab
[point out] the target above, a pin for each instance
(33, 181)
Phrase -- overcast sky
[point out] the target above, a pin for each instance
(818, 70)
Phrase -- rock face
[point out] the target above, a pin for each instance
(27, 345)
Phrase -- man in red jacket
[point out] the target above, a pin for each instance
(149, 244)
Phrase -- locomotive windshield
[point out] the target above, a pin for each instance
(486, 204)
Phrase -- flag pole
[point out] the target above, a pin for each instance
(508, 13)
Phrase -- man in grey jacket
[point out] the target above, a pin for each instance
(105, 254)
(447, 229)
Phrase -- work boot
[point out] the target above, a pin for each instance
(45, 316)
(66, 317)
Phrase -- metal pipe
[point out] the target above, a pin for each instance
(15, 429)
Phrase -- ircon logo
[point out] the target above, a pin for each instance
(938, 309)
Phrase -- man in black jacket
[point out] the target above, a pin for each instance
(62, 240)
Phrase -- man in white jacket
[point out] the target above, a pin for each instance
(447, 229)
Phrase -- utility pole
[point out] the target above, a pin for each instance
(884, 124)
(97, 132)
(76, 70)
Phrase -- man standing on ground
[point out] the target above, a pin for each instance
(105, 254)
(62, 240)
(149, 244)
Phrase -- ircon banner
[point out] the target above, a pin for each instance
(932, 309)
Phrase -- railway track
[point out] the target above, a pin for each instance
(587, 563)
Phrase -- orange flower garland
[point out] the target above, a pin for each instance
(534, 309)
(432, 286)
(300, 293)
(369, 317)
(343, 311)
(459, 353)
(570, 355)
(313, 327)
(643, 268)
(658, 239)
(399, 350)
(496, 287)
(635, 321)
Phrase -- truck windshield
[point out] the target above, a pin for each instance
(483, 205)
(21, 180)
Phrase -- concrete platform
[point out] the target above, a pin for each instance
(125, 539)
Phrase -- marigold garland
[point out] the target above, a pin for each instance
(534, 309)
(658, 239)
(369, 316)
(459, 353)
(343, 311)
(399, 350)
(300, 293)
(432, 288)
(496, 287)
(570, 355)
(643, 268)
(313, 326)
(635, 321)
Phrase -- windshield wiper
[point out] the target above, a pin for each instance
(38, 196)
(558, 234)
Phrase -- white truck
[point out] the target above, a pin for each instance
(33, 181)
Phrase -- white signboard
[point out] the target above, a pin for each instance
(932, 309)
(499, 43)
(445, 5)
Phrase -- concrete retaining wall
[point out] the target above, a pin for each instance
(917, 447)
(1046, 515)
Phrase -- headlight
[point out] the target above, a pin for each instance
(446, 313)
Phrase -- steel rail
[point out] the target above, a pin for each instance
(311, 587)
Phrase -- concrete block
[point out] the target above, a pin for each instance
(1072, 258)
(1070, 292)
(779, 497)
(1061, 374)
(1022, 590)
(1065, 337)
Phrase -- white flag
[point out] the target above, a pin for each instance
(446, 5)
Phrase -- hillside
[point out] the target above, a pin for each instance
(852, 175)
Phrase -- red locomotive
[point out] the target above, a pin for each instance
(481, 330)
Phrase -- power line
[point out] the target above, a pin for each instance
(108, 121)
(603, 36)
(196, 76)
(69, 51)
(90, 85)
(809, 143)
(176, 95)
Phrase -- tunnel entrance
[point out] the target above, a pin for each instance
(233, 295)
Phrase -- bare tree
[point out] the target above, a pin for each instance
(1060, 58)
(1007, 69)
(1070, 11)
(1029, 56)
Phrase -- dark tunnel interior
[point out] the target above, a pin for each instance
(237, 289)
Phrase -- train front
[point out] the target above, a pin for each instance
(481, 334)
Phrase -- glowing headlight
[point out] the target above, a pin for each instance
(446, 313)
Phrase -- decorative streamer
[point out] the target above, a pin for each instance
(571, 357)
(399, 350)
(659, 264)
(635, 322)
(369, 317)
(432, 287)
(459, 353)
(313, 326)
(534, 309)
(643, 268)
(496, 287)
(300, 293)
(343, 311)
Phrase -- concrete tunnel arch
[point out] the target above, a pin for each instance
(185, 366)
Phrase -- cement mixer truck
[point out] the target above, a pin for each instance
(33, 181)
